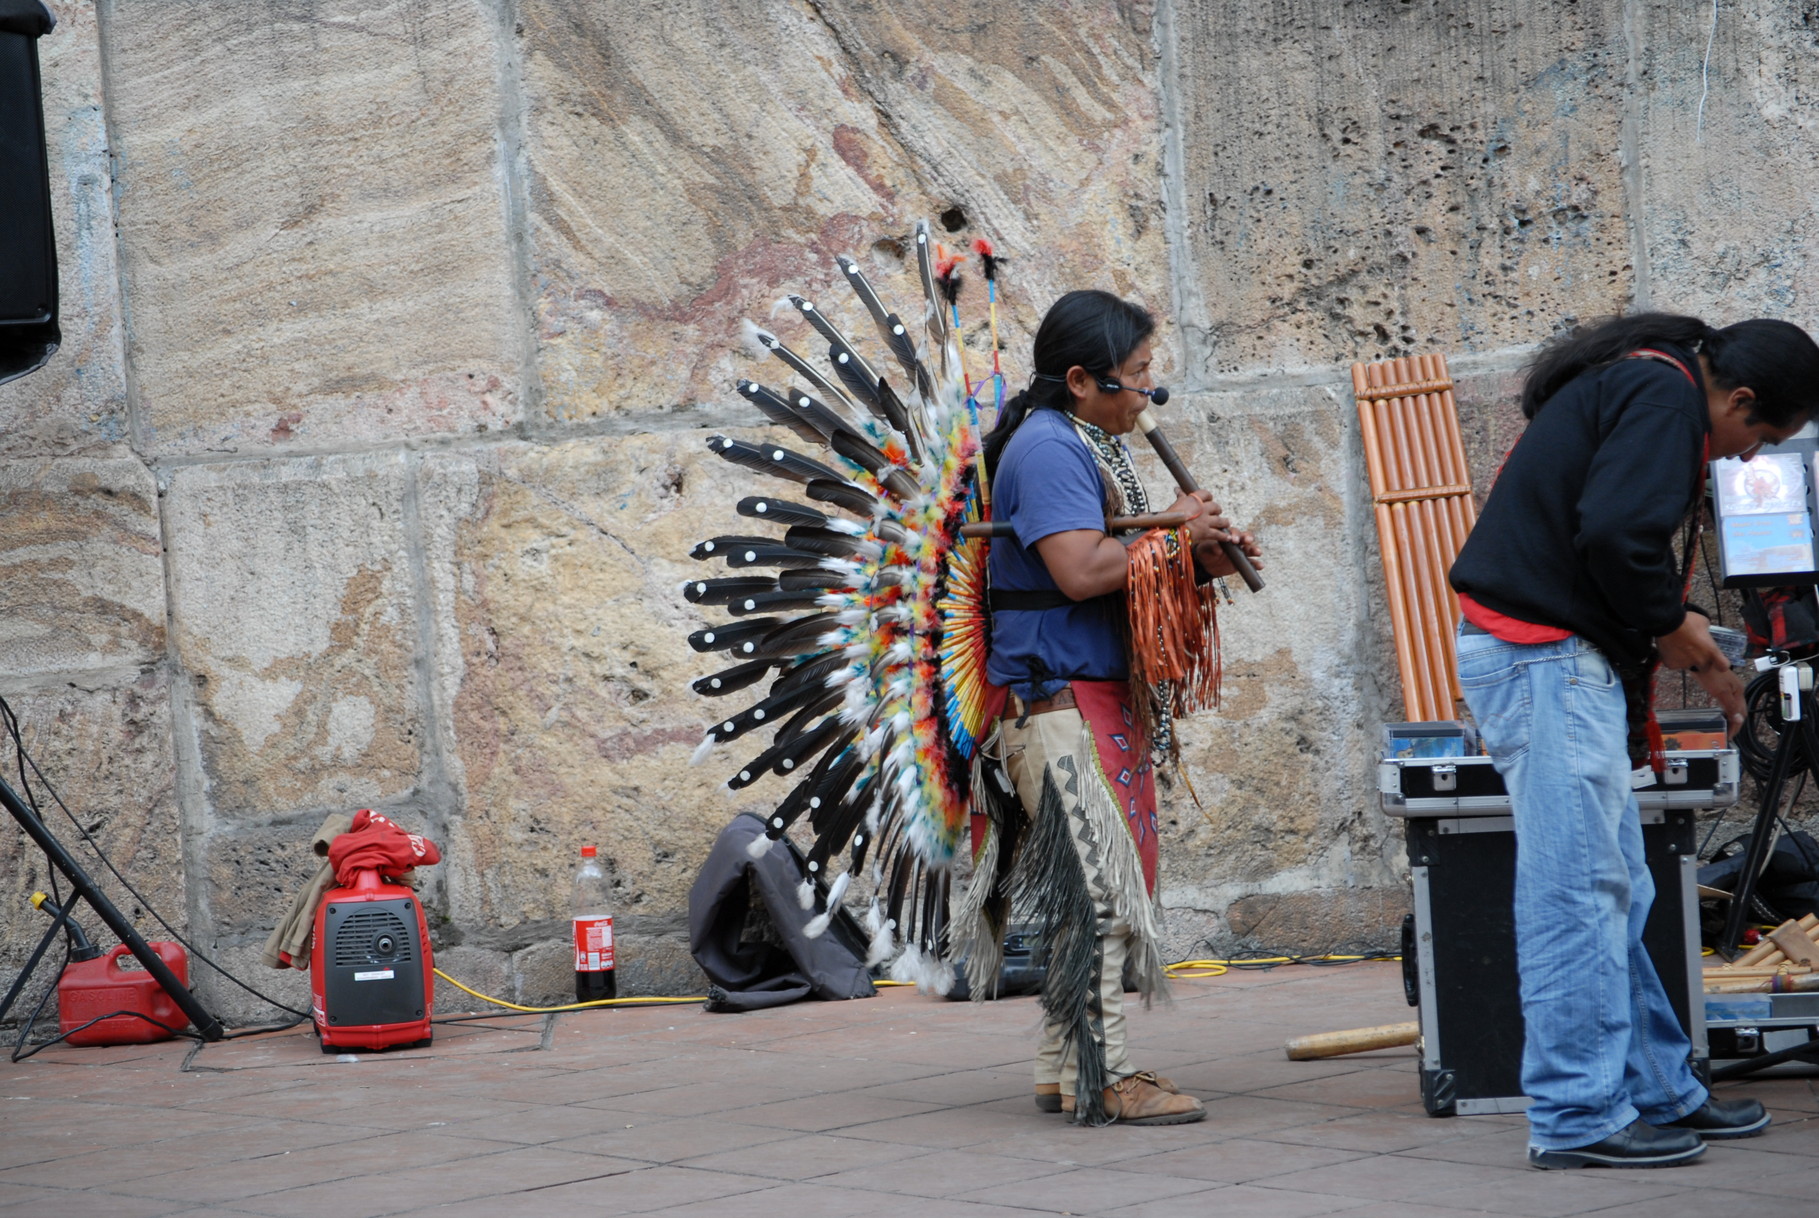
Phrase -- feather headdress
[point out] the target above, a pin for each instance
(876, 696)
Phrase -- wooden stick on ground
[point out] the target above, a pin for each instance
(1353, 1040)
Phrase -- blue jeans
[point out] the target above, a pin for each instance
(1602, 1046)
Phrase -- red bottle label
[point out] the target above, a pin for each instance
(593, 944)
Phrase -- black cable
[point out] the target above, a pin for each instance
(1263, 960)
(25, 1029)
(63, 1036)
(25, 758)
(270, 1027)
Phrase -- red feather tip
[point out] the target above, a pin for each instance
(988, 261)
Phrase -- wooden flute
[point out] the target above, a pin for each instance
(1146, 422)
(1113, 524)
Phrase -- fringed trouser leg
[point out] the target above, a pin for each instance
(1079, 873)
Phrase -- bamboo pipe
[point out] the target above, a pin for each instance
(1397, 597)
(1146, 422)
(1414, 700)
(1353, 1040)
(1422, 563)
(1780, 983)
(1440, 633)
(1735, 974)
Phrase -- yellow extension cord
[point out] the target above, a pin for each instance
(1182, 970)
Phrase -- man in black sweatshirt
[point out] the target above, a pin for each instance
(1571, 595)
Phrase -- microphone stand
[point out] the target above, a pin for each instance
(206, 1024)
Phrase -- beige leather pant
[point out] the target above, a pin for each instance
(1052, 741)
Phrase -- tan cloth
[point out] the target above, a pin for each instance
(298, 926)
(1056, 742)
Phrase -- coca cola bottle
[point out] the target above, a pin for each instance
(594, 975)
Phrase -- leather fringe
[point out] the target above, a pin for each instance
(1174, 628)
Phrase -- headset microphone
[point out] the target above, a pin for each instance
(1157, 396)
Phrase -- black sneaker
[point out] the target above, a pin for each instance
(1724, 1119)
(1637, 1144)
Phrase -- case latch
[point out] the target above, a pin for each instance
(1446, 777)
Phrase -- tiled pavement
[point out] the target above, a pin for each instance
(894, 1105)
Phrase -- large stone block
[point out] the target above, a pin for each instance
(1729, 178)
(649, 965)
(1321, 920)
(1363, 180)
(296, 627)
(315, 243)
(564, 669)
(107, 753)
(76, 402)
(79, 541)
(688, 165)
(1283, 768)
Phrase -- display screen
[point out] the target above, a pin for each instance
(1765, 519)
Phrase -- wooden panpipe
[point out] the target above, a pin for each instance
(1421, 488)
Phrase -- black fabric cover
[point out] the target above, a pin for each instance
(1789, 883)
(750, 974)
(33, 18)
(29, 335)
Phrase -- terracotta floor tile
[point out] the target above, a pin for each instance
(1238, 1161)
(831, 1113)
(1242, 1201)
(192, 1152)
(947, 1173)
(803, 1157)
(1547, 1194)
(821, 1201)
(1688, 1200)
(1358, 1088)
(533, 1124)
(1089, 1191)
(651, 1189)
(900, 1104)
(1391, 1132)
(667, 1140)
(1391, 1178)
(71, 1203)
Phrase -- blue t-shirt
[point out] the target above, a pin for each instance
(1047, 482)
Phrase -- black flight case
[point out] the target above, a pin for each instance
(1459, 948)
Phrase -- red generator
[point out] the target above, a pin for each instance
(372, 977)
(100, 986)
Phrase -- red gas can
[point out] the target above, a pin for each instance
(91, 988)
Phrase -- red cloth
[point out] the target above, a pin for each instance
(1124, 757)
(1509, 629)
(377, 844)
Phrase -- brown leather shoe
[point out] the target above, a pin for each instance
(1138, 1101)
(1048, 1095)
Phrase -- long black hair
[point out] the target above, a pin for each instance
(1093, 329)
(1776, 360)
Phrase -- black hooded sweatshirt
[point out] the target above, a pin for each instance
(1578, 530)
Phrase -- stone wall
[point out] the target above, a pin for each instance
(394, 329)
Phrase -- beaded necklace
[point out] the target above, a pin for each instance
(1111, 455)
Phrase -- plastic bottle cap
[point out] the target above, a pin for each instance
(587, 852)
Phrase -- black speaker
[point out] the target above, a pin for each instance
(1463, 970)
(28, 248)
